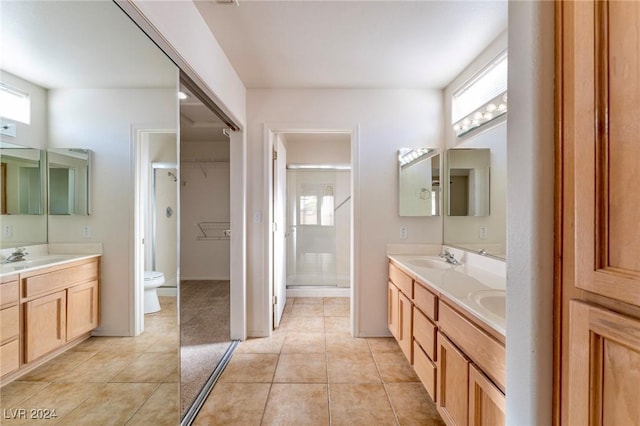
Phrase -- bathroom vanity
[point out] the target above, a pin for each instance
(47, 304)
(450, 323)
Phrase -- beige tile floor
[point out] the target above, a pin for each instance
(312, 372)
(106, 380)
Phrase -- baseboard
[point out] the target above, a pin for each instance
(183, 278)
(319, 292)
(167, 291)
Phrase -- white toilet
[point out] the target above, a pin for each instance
(152, 280)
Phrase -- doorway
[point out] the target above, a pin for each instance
(311, 243)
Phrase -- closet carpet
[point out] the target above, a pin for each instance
(204, 334)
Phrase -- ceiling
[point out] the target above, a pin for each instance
(79, 44)
(198, 123)
(353, 44)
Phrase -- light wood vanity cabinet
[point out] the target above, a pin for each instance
(9, 325)
(45, 325)
(400, 309)
(82, 309)
(486, 402)
(460, 361)
(453, 383)
(484, 371)
(46, 310)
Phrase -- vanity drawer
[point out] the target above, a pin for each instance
(60, 278)
(9, 357)
(9, 324)
(483, 349)
(403, 281)
(426, 301)
(425, 369)
(8, 294)
(424, 332)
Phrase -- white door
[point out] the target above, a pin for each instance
(279, 229)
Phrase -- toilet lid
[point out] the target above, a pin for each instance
(152, 275)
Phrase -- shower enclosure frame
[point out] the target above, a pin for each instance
(152, 212)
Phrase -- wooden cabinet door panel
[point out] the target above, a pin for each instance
(82, 309)
(393, 317)
(425, 370)
(424, 332)
(604, 367)
(486, 401)
(453, 383)
(604, 138)
(9, 324)
(403, 281)
(405, 339)
(9, 357)
(45, 325)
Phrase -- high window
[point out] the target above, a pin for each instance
(482, 98)
(14, 104)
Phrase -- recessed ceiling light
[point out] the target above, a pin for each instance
(182, 96)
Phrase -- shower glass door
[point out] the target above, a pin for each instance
(318, 237)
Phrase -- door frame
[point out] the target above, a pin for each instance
(269, 130)
(142, 185)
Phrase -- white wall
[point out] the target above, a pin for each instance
(204, 198)
(386, 120)
(530, 154)
(103, 121)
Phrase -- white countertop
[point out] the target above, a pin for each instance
(478, 291)
(32, 263)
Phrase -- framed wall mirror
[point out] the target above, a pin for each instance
(475, 194)
(69, 173)
(22, 185)
(22, 194)
(469, 184)
(419, 182)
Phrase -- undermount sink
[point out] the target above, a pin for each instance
(429, 262)
(492, 300)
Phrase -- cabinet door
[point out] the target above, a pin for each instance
(82, 309)
(393, 318)
(604, 367)
(9, 357)
(486, 401)
(405, 338)
(453, 383)
(598, 75)
(45, 325)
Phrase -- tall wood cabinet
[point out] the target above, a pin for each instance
(597, 328)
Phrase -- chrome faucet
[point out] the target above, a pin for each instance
(17, 255)
(448, 257)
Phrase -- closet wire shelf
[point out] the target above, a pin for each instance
(214, 231)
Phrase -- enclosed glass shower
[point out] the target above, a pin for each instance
(319, 232)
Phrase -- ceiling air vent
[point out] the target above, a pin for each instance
(228, 2)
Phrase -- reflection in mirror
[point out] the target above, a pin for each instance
(486, 234)
(22, 180)
(419, 182)
(69, 181)
(469, 184)
(91, 74)
(22, 192)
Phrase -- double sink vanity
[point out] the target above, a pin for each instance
(49, 302)
(449, 321)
